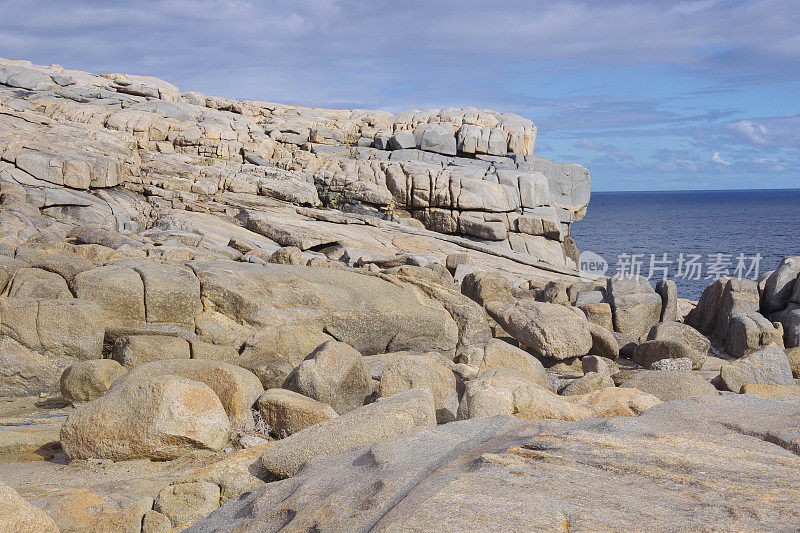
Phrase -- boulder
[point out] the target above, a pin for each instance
(38, 283)
(8, 267)
(381, 421)
(271, 370)
(160, 417)
(502, 391)
(117, 290)
(65, 327)
(24, 372)
(402, 140)
(287, 255)
(333, 374)
(436, 138)
(287, 412)
(590, 382)
(85, 381)
(771, 391)
(372, 314)
(551, 330)
(485, 286)
(500, 354)
(614, 401)
(599, 314)
(779, 286)
(695, 340)
(171, 293)
(769, 366)
(682, 364)
(601, 365)
(747, 333)
(133, 350)
(185, 503)
(649, 352)
(668, 386)
(603, 342)
(237, 388)
(19, 516)
(636, 307)
(420, 371)
(668, 291)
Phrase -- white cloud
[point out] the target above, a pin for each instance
(753, 131)
(716, 158)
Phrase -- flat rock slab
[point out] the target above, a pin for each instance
(716, 463)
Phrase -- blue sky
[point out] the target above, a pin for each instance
(647, 95)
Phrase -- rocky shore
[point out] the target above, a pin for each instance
(230, 315)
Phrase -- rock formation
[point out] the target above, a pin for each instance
(369, 320)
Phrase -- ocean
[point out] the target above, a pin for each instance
(692, 236)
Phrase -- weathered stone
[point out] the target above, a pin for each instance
(551, 330)
(171, 293)
(503, 391)
(402, 140)
(771, 391)
(436, 138)
(333, 374)
(155, 522)
(695, 340)
(485, 286)
(134, 350)
(85, 381)
(380, 421)
(421, 371)
(287, 412)
(500, 354)
(118, 290)
(437, 467)
(636, 313)
(162, 417)
(590, 382)
(237, 388)
(682, 364)
(668, 386)
(599, 314)
(19, 516)
(769, 366)
(669, 300)
(598, 364)
(24, 372)
(747, 333)
(287, 255)
(62, 327)
(603, 342)
(185, 503)
(38, 283)
(779, 285)
(649, 352)
(369, 313)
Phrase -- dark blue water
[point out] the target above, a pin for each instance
(705, 223)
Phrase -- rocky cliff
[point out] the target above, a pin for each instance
(79, 141)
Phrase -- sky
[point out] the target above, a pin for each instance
(648, 95)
